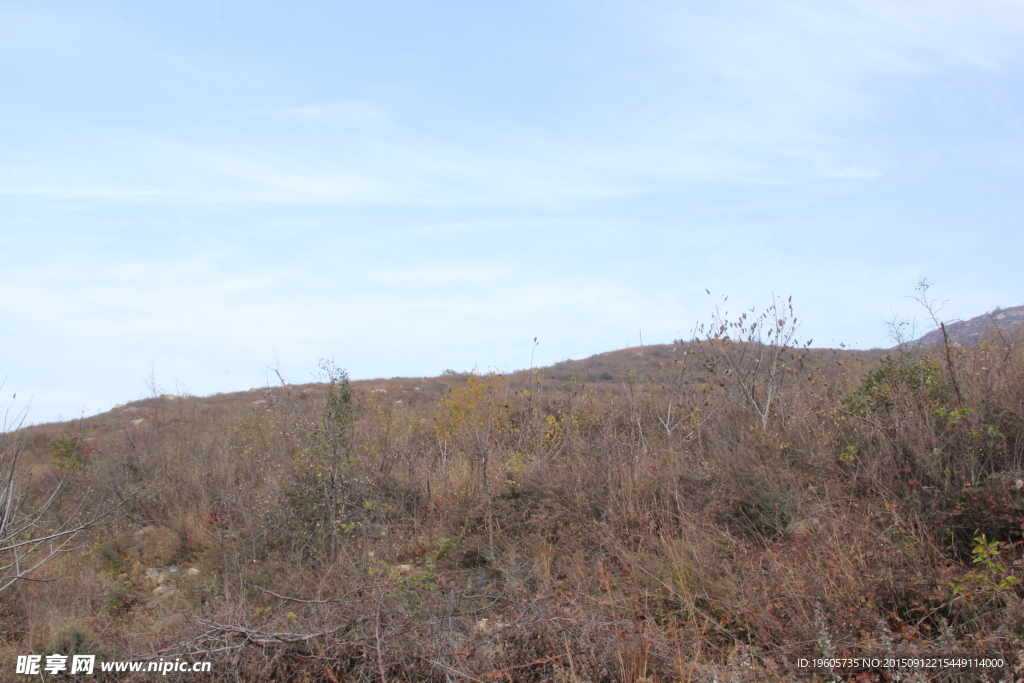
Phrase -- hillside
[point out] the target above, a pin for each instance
(1006, 321)
(607, 373)
(705, 511)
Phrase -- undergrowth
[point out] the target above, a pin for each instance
(714, 520)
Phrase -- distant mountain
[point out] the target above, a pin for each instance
(1010, 321)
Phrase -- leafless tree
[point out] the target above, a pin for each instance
(933, 309)
(752, 355)
(37, 523)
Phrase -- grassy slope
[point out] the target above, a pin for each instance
(624, 517)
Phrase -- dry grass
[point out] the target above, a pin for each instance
(528, 529)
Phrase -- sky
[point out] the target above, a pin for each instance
(200, 192)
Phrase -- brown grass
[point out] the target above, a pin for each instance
(530, 528)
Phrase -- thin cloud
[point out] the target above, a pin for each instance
(360, 112)
(849, 173)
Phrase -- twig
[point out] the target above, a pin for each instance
(376, 637)
(264, 639)
(322, 601)
(455, 671)
(504, 672)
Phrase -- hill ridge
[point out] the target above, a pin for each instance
(968, 332)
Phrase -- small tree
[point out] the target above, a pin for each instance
(335, 429)
(751, 356)
(471, 418)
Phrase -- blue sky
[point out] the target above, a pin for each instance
(410, 187)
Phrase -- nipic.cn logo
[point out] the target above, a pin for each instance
(55, 664)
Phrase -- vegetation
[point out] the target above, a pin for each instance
(731, 505)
